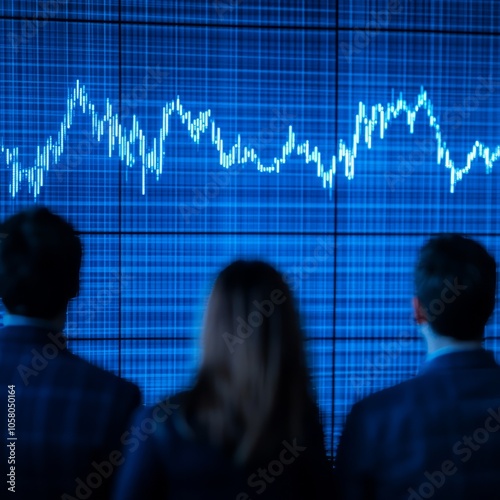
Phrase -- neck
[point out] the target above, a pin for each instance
(436, 341)
(56, 323)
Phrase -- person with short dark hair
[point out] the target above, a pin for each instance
(249, 427)
(455, 283)
(436, 435)
(66, 416)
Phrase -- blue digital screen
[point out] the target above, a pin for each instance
(329, 138)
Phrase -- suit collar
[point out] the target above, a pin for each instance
(477, 358)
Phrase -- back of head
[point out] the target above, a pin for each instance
(40, 257)
(253, 372)
(455, 282)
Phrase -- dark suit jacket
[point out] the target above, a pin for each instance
(173, 462)
(436, 435)
(68, 414)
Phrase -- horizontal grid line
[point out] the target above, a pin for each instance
(251, 26)
(306, 339)
(275, 233)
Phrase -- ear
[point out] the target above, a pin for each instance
(419, 312)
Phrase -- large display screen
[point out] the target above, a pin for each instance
(329, 138)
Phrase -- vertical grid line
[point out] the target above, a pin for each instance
(118, 162)
(335, 216)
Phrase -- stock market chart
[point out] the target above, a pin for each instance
(330, 139)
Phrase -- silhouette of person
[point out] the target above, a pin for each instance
(249, 427)
(66, 416)
(437, 434)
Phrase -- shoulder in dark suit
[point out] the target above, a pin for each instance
(173, 461)
(69, 417)
(436, 435)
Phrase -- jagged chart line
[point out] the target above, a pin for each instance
(127, 142)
